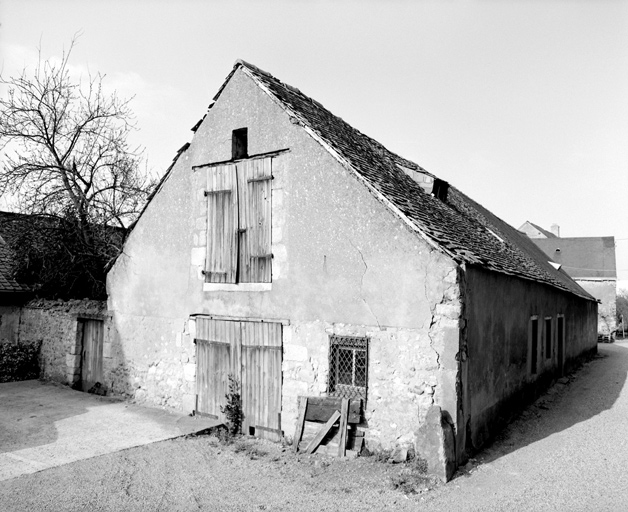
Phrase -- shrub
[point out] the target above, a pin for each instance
(18, 361)
(233, 409)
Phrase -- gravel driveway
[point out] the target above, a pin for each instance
(567, 452)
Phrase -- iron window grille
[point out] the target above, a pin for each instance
(348, 367)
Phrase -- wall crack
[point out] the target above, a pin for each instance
(362, 283)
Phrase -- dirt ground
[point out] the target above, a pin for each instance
(566, 452)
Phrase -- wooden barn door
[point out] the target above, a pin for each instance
(251, 351)
(91, 354)
(261, 379)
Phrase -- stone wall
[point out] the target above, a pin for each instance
(501, 380)
(53, 323)
(160, 369)
(409, 370)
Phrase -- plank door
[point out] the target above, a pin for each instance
(212, 377)
(261, 379)
(91, 354)
(218, 348)
(252, 352)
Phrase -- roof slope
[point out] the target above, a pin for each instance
(458, 226)
(582, 257)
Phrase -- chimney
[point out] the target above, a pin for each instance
(556, 229)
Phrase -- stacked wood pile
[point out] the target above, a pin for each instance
(329, 426)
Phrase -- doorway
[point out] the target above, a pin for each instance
(91, 333)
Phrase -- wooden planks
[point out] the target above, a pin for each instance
(298, 434)
(321, 408)
(254, 185)
(345, 434)
(222, 224)
(322, 433)
(92, 350)
(344, 416)
(252, 351)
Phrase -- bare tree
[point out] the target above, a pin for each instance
(64, 154)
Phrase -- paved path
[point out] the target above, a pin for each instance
(44, 425)
(569, 453)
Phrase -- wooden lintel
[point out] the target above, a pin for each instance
(232, 161)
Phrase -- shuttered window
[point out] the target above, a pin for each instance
(239, 222)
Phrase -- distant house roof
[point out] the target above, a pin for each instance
(534, 231)
(456, 225)
(583, 257)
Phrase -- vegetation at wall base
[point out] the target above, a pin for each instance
(233, 409)
(18, 361)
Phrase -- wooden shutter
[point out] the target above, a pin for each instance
(261, 378)
(222, 224)
(255, 177)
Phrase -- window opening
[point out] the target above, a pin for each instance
(548, 338)
(239, 143)
(348, 367)
(534, 327)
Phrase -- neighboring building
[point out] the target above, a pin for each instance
(590, 261)
(12, 295)
(289, 249)
(63, 332)
(534, 231)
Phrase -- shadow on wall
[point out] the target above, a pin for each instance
(30, 409)
(588, 391)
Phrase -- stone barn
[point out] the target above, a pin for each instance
(290, 250)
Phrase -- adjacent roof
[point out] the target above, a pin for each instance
(543, 233)
(583, 257)
(460, 227)
(7, 282)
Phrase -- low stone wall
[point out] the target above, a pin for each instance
(53, 323)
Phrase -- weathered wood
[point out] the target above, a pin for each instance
(298, 433)
(260, 178)
(92, 351)
(213, 192)
(222, 224)
(322, 433)
(320, 409)
(344, 414)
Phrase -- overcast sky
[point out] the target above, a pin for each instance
(523, 105)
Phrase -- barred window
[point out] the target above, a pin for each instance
(348, 367)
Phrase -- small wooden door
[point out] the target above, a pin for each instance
(251, 352)
(91, 354)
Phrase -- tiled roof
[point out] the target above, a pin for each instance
(582, 257)
(7, 283)
(458, 226)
